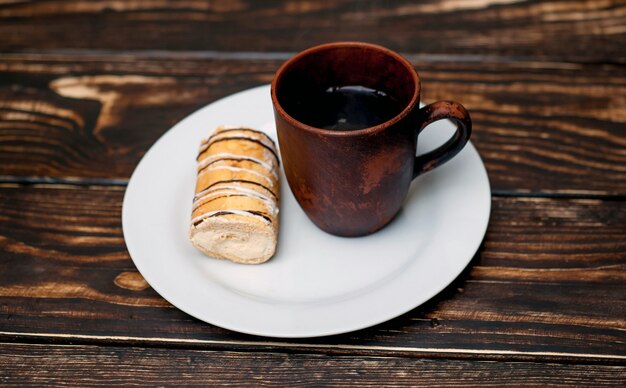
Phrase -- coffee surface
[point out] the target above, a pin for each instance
(345, 108)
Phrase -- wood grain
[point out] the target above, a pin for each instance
(86, 366)
(86, 87)
(539, 127)
(98, 125)
(548, 283)
(575, 31)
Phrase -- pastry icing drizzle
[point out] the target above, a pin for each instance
(238, 187)
(250, 213)
(239, 181)
(225, 193)
(204, 163)
(208, 145)
(230, 129)
(237, 169)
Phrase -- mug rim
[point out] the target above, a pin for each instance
(363, 131)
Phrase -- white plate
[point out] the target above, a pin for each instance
(316, 284)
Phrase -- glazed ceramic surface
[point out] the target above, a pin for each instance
(316, 284)
(352, 183)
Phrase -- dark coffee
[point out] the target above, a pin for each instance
(345, 108)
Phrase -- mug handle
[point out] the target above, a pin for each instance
(438, 111)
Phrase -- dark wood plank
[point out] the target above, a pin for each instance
(548, 283)
(72, 122)
(540, 127)
(86, 366)
(583, 31)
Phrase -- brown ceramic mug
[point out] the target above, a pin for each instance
(353, 182)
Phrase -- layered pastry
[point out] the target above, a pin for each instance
(235, 207)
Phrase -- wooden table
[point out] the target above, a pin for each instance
(87, 87)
